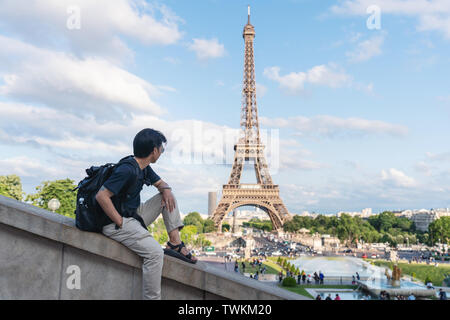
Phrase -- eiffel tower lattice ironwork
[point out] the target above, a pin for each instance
(264, 194)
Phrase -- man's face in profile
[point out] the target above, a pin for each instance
(157, 153)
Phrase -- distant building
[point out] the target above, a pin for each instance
(212, 202)
(422, 218)
(405, 213)
(307, 214)
(365, 213)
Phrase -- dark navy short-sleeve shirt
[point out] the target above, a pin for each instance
(121, 179)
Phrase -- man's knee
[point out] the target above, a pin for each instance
(155, 257)
(155, 252)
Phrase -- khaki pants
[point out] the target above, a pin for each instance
(139, 240)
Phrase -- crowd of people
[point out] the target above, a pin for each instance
(337, 297)
(255, 263)
(355, 277)
(303, 278)
(427, 260)
(386, 296)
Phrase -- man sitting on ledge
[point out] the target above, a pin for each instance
(128, 220)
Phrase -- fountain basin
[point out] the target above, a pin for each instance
(405, 289)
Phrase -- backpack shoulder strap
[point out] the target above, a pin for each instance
(130, 160)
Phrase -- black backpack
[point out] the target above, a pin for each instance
(89, 216)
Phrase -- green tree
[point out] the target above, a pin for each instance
(387, 220)
(389, 239)
(59, 189)
(439, 230)
(289, 282)
(11, 186)
(347, 229)
(288, 266)
(405, 224)
(265, 225)
(208, 226)
(290, 226)
(201, 241)
(194, 218)
(292, 269)
(187, 234)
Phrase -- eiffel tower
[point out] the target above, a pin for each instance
(264, 194)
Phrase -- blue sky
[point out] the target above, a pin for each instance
(362, 115)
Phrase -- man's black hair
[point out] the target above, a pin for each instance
(147, 140)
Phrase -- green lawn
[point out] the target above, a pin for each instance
(436, 274)
(271, 266)
(302, 288)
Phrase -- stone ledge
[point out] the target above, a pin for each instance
(201, 276)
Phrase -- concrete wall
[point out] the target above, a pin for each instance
(38, 247)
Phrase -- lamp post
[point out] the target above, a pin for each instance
(54, 204)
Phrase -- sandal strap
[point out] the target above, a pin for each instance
(177, 247)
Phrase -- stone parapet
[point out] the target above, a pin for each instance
(38, 250)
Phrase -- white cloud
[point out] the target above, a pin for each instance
(29, 167)
(191, 181)
(81, 86)
(293, 160)
(64, 133)
(325, 125)
(293, 157)
(432, 15)
(300, 196)
(103, 24)
(207, 49)
(423, 167)
(367, 49)
(322, 75)
(444, 99)
(443, 156)
(397, 178)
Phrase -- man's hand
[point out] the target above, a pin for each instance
(103, 198)
(168, 200)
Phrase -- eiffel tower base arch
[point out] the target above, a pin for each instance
(264, 197)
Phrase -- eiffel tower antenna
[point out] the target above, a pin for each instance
(264, 194)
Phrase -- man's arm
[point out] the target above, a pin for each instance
(103, 198)
(168, 199)
(161, 185)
